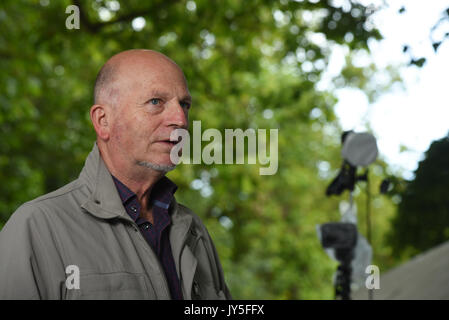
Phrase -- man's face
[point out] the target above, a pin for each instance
(153, 100)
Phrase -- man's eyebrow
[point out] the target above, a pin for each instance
(162, 94)
(158, 93)
(187, 98)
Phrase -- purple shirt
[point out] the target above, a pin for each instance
(155, 234)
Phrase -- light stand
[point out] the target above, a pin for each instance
(359, 149)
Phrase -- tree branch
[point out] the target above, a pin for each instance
(96, 26)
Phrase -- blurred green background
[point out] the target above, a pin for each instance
(249, 64)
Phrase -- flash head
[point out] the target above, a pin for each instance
(359, 149)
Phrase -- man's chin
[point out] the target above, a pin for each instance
(164, 168)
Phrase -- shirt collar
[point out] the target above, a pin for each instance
(161, 195)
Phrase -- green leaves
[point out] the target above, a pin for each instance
(251, 64)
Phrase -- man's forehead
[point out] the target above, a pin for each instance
(144, 72)
(144, 60)
(148, 71)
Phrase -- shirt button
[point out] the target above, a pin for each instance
(146, 227)
(133, 209)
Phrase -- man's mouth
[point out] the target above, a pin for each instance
(170, 142)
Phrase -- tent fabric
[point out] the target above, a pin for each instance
(424, 277)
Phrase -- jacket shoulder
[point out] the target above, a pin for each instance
(30, 254)
(64, 190)
(19, 222)
(67, 199)
(38, 208)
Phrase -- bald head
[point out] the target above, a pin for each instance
(120, 69)
(141, 97)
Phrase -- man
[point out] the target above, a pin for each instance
(117, 232)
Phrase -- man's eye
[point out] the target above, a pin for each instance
(185, 105)
(154, 101)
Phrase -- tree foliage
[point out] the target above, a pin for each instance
(249, 64)
(422, 221)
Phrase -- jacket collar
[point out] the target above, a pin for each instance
(104, 201)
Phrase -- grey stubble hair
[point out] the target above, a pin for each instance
(157, 167)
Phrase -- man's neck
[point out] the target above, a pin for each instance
(138, 179)
(141, 187)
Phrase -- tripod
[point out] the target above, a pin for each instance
(344, 270)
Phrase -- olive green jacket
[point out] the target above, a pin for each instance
(78, 242)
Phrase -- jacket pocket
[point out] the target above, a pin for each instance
(206, 291)
(112, 286)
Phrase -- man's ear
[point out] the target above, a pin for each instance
(100, 116)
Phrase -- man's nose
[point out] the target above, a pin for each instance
(177, 115)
